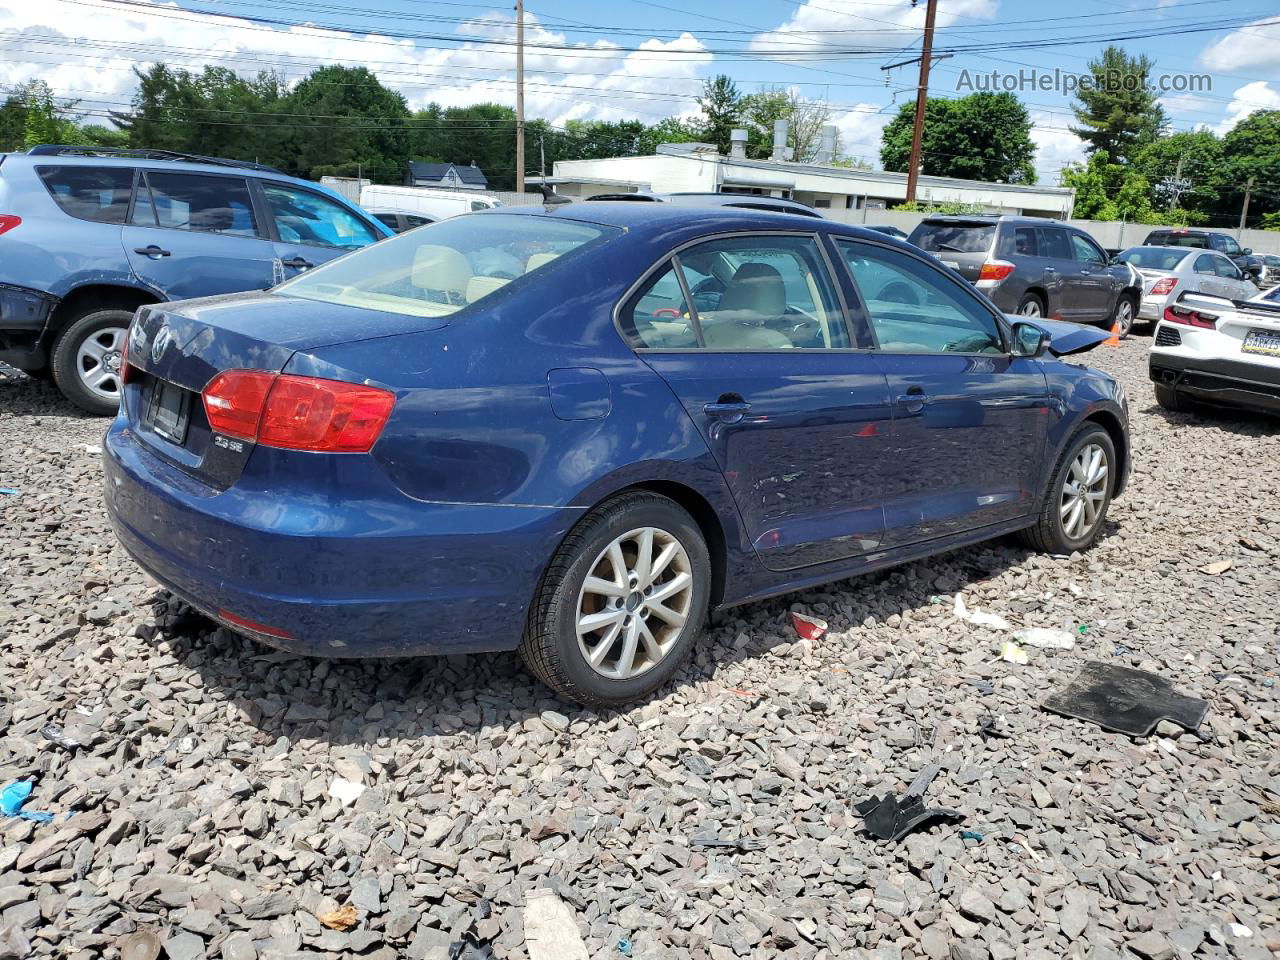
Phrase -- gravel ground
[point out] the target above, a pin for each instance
(204, 809)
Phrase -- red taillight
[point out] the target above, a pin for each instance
(305, 413)
(297, 413)
(1164, 286)
(995, 270)
(253, 625)
(125, 369)
(234, 399)
(1190, 318)
(8, 221)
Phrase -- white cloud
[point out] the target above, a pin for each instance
(884, 28)
(1248, 46)
(1248, 99)
(860, 129)
(85, 50)
(1055, 145)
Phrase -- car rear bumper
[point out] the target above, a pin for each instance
(1233, 382)
(393, 579)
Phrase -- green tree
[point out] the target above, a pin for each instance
(759, 113)
(13, 123)
(1251, 149)
(43, 121)
(1198, 154)
(670, 130)
(1109, 191)
(1118, 112)
(984, 136)
(721, 106)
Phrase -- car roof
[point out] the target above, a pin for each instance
(710, 199)
(988, 219)
(51, 155)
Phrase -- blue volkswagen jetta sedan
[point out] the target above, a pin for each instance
(574, 430)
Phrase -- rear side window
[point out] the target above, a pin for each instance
(1024, 242)
(658, 316)
(1204, 265)
(1053, 243)
(956, 238)
(188, 201)
(100, 194)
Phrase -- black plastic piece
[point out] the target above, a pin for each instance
(892, 818)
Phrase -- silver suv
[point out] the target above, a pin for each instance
(1035, 267)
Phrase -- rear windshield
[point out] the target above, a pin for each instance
(441, 268)
(1154, 258)
(90, 193)
(1180, 240)
(942, 237)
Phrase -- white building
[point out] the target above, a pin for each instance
(850, 196)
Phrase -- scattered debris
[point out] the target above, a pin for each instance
(550, 931)
(1125, 700)
(1123, 822)
(1011, 652)
(979, 618)
(8, 492)
(343, 918)
(14, 796)
(140, 945)
(971, 835)
(891, 818)
(1217, 567)
(346, 791)
(741, 844)
(1046, 639)
(809, 628)
(469, 948)
(624, 947)
(990, 725)
(55, 735)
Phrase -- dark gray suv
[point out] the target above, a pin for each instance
(1035, 267)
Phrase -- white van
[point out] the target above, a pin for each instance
(402, 208)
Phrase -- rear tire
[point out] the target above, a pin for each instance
(1075, 505)
(599, 578)
(1031, 306)
(1171, 399)
(85, 360)
(1124, 312)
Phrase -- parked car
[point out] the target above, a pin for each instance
(1214, 350)
(1169, 272)
(1035, 267)
(1270, 272)
(1242, 257)
(88, 235)
(888, 231)
(403, 208)
(402, 453)
(745, 201)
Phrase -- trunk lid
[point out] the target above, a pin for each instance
(177, 348)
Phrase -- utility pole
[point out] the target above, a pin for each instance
(922, 97)
(1244, 211)
(519, 96)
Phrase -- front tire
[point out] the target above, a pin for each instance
(86, 360)
(1075, 505)
(622, 602)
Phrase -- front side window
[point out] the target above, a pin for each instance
(1085, 251)
(310, 219)
(191, 201)
(917, 308)
(441, 268)
(1230, 247)
(100, 194)
(1226, 268)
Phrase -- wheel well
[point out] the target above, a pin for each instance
(707, 522)
(97, 297)
(1039, 294)
(1111, 423)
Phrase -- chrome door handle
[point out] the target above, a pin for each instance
(731, 411)
(152, 251)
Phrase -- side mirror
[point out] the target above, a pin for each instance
(1247, 250)
(1029, 340)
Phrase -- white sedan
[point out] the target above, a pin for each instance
(1169, 272)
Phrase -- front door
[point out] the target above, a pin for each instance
(1097, 284)
(761, 358)
(311, 229)
(969, 419)
(196, 235)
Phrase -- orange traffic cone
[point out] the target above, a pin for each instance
(1114, 339)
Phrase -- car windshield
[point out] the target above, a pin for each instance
(1154, 258)
(441, 268)
(957, 238)
(1185, 240)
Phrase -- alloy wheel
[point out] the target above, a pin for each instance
(98, 362)
(1124, 316)
(634, 603)
(1031, 308)
(1083, 491)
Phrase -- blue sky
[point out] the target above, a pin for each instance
(646, 58)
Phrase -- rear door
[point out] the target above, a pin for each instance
(1233, 279)
(969, 419)
(196, 235)
(797, 418)
(308, 228)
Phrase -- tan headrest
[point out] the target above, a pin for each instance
(440, 268)
(478, 287)
(539, 260)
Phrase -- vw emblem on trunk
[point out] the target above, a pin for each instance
(164, 336)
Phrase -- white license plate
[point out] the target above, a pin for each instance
(1265, 342)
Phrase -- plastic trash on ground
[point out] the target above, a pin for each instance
(1012, 653)
(1046, 639)
(14, 796)
(346, 791)
(979, 618)
(809, 628)
(891, 818)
